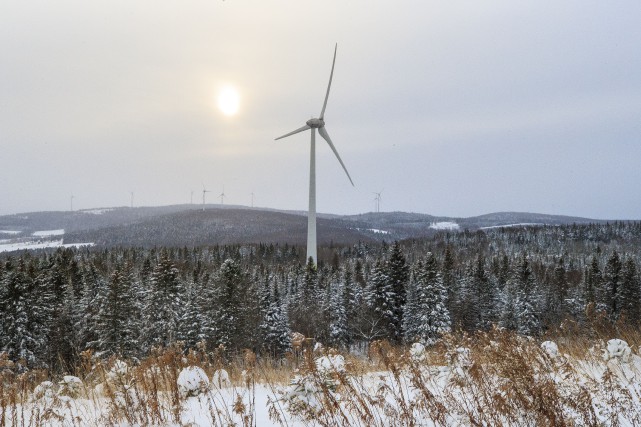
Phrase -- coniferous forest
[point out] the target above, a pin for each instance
(125, 302)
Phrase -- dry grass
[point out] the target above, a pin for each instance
(505, 380)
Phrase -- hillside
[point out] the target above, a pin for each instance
(191, 225)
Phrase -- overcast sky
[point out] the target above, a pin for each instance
(454, 108)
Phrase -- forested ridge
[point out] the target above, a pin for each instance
(127, 301)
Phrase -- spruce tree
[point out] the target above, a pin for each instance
(612, 275)
(426, 316)
(630, 293)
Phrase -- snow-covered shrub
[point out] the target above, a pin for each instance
(327, 365)
(70, 386)
(45, 390)
(617, 350)
(417, 352)
(118, 373)
(550, 348)
(305, 393)
(461, 357)
(221, 379)
(192, 381)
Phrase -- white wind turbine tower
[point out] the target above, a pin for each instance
(377, 199)
(205, 191)
(222, 196)
(319, 124)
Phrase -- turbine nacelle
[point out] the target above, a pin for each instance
(315, 123)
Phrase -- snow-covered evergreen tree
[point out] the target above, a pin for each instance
(630, 293)
(276, 334)
(337, 309)
(163, 300)
(426, 314)
(526, 303)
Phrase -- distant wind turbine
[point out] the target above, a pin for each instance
(205, 191)
(132, 198)
(222, 196)
(252, 199)
(377, 199)
(72, 203)
(319, 124)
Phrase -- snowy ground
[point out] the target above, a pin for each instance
(43, 239)
(445, 225)
(603, 389)
(521, 224)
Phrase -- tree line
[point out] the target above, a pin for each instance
(127, 301)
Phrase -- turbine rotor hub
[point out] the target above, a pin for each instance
(315, 123)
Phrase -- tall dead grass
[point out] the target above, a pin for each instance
(493, 378)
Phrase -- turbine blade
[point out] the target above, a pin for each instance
(304, 128)
(326, 137)
(322, 114)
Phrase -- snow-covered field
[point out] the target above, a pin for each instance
(521, 224)
(97, 211)
(31, 245)
(445, 225)
(503, 383)
(48, 233)
(10, 232)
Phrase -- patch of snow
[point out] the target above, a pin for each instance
(96, 211)
(47, 233)
(192, 381)
(19, 246)
(445, 225)
(220, 379)
(417, 352)
(10, 232)
(617, 349)
(520, 224)
(550, 348)
(374, 230)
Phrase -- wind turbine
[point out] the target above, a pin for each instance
(72, 203)
(377, 199)
(132, 198)
(205, 191)
(313, 124)
(222, 196)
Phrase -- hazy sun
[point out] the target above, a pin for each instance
(228, 100)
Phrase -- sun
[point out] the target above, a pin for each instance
(228, 100)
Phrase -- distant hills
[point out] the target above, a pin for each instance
(190, 225)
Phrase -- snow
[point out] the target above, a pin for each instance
(444, 225)
(10, 232)
(96, 211)
(377, 231)
(520, 224)
(30, 245)
(47, 233)
(605, 386)
(192, 381)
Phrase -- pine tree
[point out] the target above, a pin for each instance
(116, 319)
(426, 316)
(398, 276)
(162, 304)
(380, 320)
(18, 337)
(630, 293)
(525, 305)
(276, 334)
(230, 317)
(612, 275)
(338, 327)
